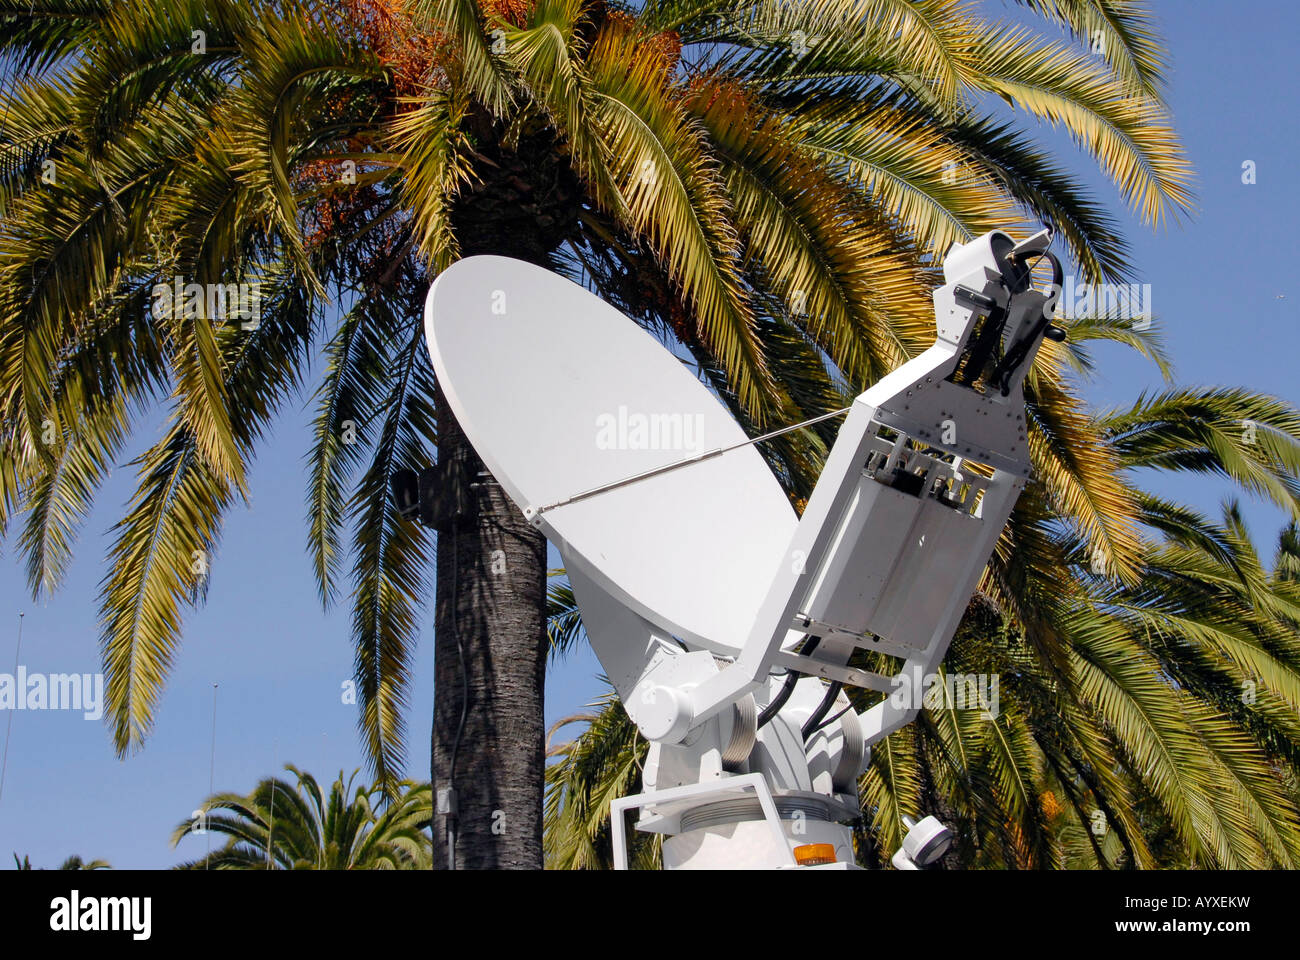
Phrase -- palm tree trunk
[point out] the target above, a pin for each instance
(522, 202)
(490, 662)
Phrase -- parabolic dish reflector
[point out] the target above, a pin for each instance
(559, 393)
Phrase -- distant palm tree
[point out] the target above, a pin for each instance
(294, 827)
(73, 862)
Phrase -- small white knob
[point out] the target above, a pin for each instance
(663, 714)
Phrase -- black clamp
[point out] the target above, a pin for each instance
(437, 494)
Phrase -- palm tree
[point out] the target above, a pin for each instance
(73, 862)
(288, 826)
(766, 185)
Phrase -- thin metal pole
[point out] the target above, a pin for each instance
(677, 465)
(212, 766)
(270, 829)
(9, 721)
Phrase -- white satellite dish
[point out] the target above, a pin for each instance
(560, 393)
(672, 526)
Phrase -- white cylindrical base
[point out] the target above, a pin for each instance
(750, 845)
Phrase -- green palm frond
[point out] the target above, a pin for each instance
(349, 400)
(660, 165)
(547, 55)
(1250, 438)
(925, 47)
(293, 67)
(563, 620)
(479, 70)
(833, 261)
(60, 498)
(1286, 562)
(1170, 739)
(912, 169)
(602, 764)
(164, 547)
(391, 557)
(1081, 474)
(61, 255)
(1046, 193)
(159, 561)
(891, 789)
(1132, 138)
(40, 34)
(1139, 333)
(431, 148)
(39, 118)
(1118, 31)
(162, 51)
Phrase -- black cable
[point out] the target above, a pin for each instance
(464, 701)
(980, 352)
(1014, 357)
(826, 723)
(787, 688)
(1027, 262)
(773, 708)
(982, 349)
(823, 708)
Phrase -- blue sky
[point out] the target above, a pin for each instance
(1224, 290)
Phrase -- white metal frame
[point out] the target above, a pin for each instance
(913, 400)
(850, 506)
(749, 781)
